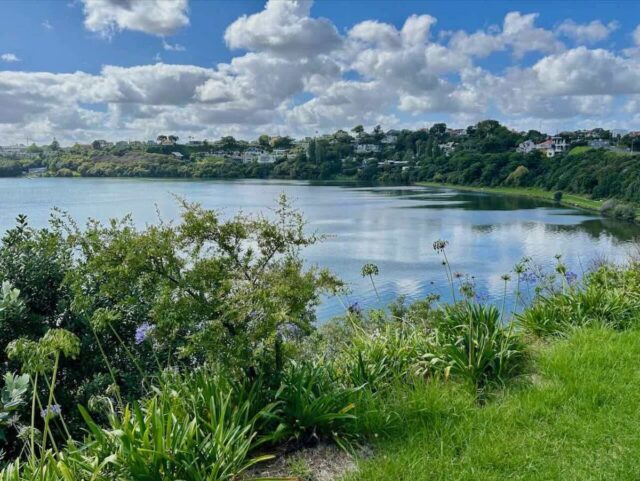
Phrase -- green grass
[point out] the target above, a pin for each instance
(581, 149)
(579, 420)
(572, 200)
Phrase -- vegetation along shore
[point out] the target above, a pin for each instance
(190, 351)
(592, 169)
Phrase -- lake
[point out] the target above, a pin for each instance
(393, 227)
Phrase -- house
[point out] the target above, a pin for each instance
(526, 147)
(560, 144)
(457, 132)
(280, 153)
(195, 143)
(367, 148)
(599, 144)
(390, 138)
(546, 148)
(392, 163)
(177, 155)
(17, 151)
(448, 148)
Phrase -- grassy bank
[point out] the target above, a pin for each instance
(571, 200)
(578, 420)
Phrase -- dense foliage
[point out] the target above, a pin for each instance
(482, 155)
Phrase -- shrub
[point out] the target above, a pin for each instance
(313, 406)
(608, 206)
(374, 357)
(624, 212)
(608, 298)
(557, 196)
(479, 348)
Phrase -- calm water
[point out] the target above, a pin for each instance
(393, 227)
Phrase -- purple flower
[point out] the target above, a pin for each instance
(51, 411)
(354, 308)
(528, 277)
(481, 297)
(571, 277)
(142, 332)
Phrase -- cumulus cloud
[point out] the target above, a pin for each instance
(592, 32)
(9, 57)
(284, 27)
(155, 17)
(297, 73)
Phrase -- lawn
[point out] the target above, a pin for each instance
(567, 199)
(579, 419)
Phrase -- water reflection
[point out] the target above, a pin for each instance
(392, 227)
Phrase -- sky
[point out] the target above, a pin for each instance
(80, 70)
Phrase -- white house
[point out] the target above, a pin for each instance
(599, 144)
(367, 148)
(177, 155)
(526, 147)
(560, 144)
(280, 153)
(18, 151)
(448, 148)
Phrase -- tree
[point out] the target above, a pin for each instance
(358, 130)
(438, 130)
(228, 143)
(96, 145)
(55, 146)
(263, 140)
(161, 138)
(173, 138)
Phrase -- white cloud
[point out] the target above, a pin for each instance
(521, 34)
(155, 17)
(299, 74)
(176, 47)
(581, 71)
(636, 36)
(284, 27)
(592, 32)
(9, 57)
(47, 25)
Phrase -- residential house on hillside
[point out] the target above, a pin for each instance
(367, 149)
(448, 148)
(549, 147)
(457, 132)
(526, 147)
(177, 155)
(390, 138)
(18, 151)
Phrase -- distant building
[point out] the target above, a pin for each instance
(393, 162)
(367, 148)
(457, 132)
(177, 155)
(526, 147)
(18, 151)
(599, 144)
(390, 138)
(280, 153)
(448, 148)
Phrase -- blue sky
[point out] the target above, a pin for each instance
(83, 69)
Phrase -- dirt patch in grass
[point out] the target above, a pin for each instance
(324, 462)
